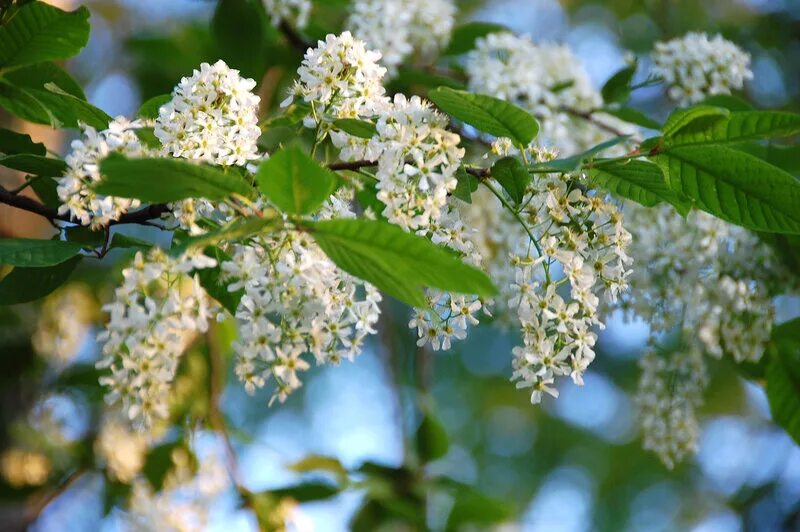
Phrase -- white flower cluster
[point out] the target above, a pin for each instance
(294, 12)
(397, 28)
(695, 66)
(83, 170)
(340, 78)
(184, 502)
(296, 301)
(156, 306)
(64, 323)
(121, 450)
(670, 390)
(546, 80)
(447, 316)
(212, 117)
(710, 280)
(417, 161)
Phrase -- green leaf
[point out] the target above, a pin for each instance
(640, 181)
(239, 229)
(149, 109)
(70, 109)
(783, 377)
(12, 143)
(618, 88)
(399, 263)
(36, 253)
(356, 128)
(39, 32)
(735, 186)
(473, 507)
(316, 462)
(29, 284)
(305, 492)
(738, 127)
(368, 197)
(418, 80)
(467, 184)
(488, 114)
(681, 118)
(513, 176)
(633, 116)
(728, 101)
(34, 164)
(431, 439)
(295, 182)
(148, 137)
(165, 180)
(784, 157)
(38, 75)
(211, 279)
(464, 36)
(159, 462)
(120, 241)
(47, 190)
(574, 163)
(239, 28)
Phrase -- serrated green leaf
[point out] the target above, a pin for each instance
(237, 230)
(38, 75)
(411, 80)
(783, 377)
(356, 128)
(29, 284)
(36, 253)
(512, 176)
(640, 181)
(120, 241)
(159, 180)
(740, 126)
(734, 186)
(784, 157)
(40, 32)
(681, 118)
(487, 113)
(47, 190)
(399, 263)
(148, 137)
(574, 163)
(295, 182)
(466, 185)
(464, 37)
(727, 101)
(12, 143)
(34, 164)
(149, 109)
(70, 109)
(618, 87)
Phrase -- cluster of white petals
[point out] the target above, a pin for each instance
(212, 117)
(670, 390)
(293, 12)
(417, 161)
(547, 80)
(340, 78)
(695, 66)
(398, 28)
(83, 171)
(296, 302)
(157, 306)
(708, 279)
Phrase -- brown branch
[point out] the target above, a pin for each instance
(295, 39)
(589, 117)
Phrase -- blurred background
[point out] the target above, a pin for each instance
(571, 464)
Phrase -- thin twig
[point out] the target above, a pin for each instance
(589, 117)
(294, 38)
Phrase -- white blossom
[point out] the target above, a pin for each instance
(156, 306)
(212, 117)
(397, 28)
(83, 171)
(695, 66)
(121, 449)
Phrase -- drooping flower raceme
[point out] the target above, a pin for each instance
(695, 66)
(712, 282)
(156, 306)
(293, 12)
(296, 302)
(397, 28)
(83, 170)
(340, 78)
(212, 117)
(670, 391)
